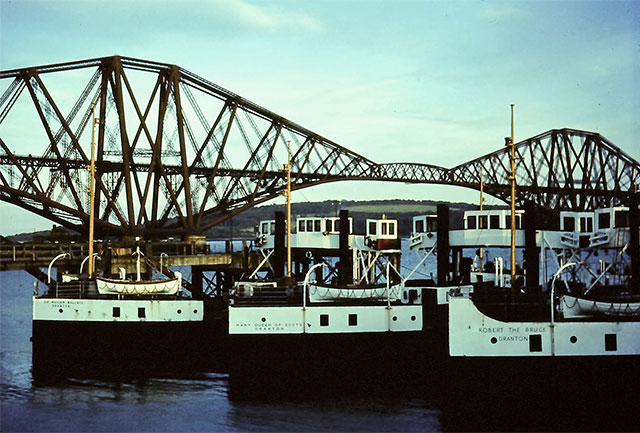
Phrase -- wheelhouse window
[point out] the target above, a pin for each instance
(471, 222)
(419, 228)
(604, 221)
(518, 221)
(482, 222)
(622, 218)
(432, 224)
(316, 226)
(372, 228)
(494, 222)
(569, 224)
(586, 224)
(301, 225)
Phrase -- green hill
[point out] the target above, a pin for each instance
(242, 226)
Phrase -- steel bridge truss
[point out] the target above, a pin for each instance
(176, 153)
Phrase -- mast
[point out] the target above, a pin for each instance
(512, 177)
(481, 252)
(91, 189)
(287, 167)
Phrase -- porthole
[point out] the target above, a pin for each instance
(395, 318)
(413, 318)
(60, 310)
(195, 311)
(494, 340)
(179, 311)
(264, 319)
(573, 339)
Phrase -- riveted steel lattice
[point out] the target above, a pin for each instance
(563, 169)
(176, 153)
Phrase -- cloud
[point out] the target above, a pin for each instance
(495, 13)
(267, 17)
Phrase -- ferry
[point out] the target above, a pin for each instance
(563, 336)
(343, 312)
(115, 325)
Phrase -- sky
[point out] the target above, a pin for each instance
(418, 81)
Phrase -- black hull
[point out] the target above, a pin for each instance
(324, 364)
(501, 393)
(124, 350)
(591, 393)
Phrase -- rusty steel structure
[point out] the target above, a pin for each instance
(178, 154)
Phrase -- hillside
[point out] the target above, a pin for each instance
(242, 225)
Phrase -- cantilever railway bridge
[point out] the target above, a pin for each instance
(176, 153)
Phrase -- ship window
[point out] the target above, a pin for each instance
(116, 312)
(300, 225)
(471, 222)
(482, 222)
(141, 312)
(309, 225)
(604, 221)
(569, 224)
(494, 222)
(353, 320)
(518, 221)
(316, 225)
(622, 218)
(372, 228)
(535, 343)
(324, 320)
(586, 224)
(432, 224)
(264, 228)
(610, 342)
(392, 229)
(336, 225)
(419, 226)
(328, 227)
(383, 228)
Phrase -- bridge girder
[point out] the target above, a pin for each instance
(177, 153)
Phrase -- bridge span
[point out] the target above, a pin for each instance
(178, 154)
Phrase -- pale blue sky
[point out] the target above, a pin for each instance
(394, 80)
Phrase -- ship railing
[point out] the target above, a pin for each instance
(74, 289)
(263, 294)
